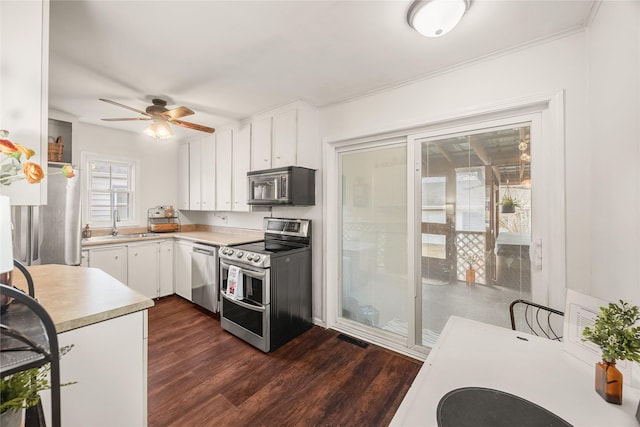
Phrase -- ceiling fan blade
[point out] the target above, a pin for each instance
(125, 106)
(126, 119)
(192, 126)
(176, 113)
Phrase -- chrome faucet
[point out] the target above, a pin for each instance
(116, 218)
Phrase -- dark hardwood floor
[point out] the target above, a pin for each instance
(200, 375)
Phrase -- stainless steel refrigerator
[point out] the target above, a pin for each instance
(50, 234)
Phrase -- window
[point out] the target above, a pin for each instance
(111, 186)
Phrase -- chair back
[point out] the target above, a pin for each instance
(536, 319)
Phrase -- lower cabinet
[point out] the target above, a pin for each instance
(146, 266)
(165, 269)
(110, 259)
(142, 276)
(183, 269)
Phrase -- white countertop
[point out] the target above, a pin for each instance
(474, 354)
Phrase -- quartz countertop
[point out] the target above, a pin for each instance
(78, 296)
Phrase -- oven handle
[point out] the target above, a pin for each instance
(244, 304)
(258, 274)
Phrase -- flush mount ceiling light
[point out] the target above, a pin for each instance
(159, 129)
(435, 18)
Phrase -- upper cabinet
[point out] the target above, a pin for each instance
(24, 99)
(213, 170)
(282, 137)
(223, 169)
(183, 177)
(261, 143)
(285, 137)
(241, 165)
(202, 178)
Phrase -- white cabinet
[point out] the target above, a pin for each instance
(24, 30)
(208, 173)
(183, 268)
(202, 192)
(261, 143)
(287, 136)
(183, 177)
(165, 269)
(143, 268)
(108, 360)
(241, 165)
(84, 258)
(112, 260)
(284, 143)
(194, 175)
(224, 159)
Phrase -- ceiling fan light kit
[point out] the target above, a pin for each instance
(159, 129)
(435, 18)
(161, 117)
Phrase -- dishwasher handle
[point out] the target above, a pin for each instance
(204, 251)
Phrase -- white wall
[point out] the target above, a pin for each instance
(158, 161)
(613, 40)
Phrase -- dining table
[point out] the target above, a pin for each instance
(479, 374)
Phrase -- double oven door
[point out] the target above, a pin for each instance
(249, 316)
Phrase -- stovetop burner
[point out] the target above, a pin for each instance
(281, 236)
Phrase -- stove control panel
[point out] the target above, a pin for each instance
(244, 257)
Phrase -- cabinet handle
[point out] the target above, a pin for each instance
(116, 256)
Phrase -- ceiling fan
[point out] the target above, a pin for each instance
(160, 117)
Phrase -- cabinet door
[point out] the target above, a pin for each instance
(183, 176)
(143, 268)
(24, 95)
(241, 163)
(195, 153)
(183, 269)
(261, 144)
(112, 260)
(165, 269)
(84, 259)
(223, 170)
(285, 137)
(208, 173)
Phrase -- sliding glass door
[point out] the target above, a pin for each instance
(423, 224)
(474, 257)
(374, 238)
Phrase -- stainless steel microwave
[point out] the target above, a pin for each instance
(290, 185)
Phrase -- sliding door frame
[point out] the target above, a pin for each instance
(549, 110)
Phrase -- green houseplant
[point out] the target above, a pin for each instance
(614, 332)
(507, 204)
(21, 390)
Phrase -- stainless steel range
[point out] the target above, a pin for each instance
(268, 300)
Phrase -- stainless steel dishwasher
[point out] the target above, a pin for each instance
(204, 276)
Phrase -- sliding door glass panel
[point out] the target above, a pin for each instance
(475, 245)
(374, 238)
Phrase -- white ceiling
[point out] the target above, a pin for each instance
(228, 60)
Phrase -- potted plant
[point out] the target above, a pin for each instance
(21, 391)
(507, 204)
(470, 258)
(614, 332)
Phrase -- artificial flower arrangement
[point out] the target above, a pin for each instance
(12, 168)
